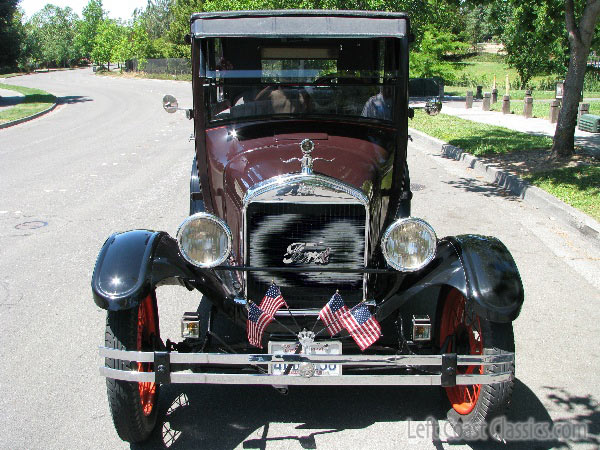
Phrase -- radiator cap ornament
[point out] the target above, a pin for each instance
(307, 146)
(306, 162)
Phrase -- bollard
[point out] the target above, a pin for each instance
(584, 108)
(494, 95)
(469, 100)
(528, 107)
(528, 93)
(506, 104)
(486, 101)
(554, 110)
(479, 92)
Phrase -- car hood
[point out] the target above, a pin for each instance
(360, 156)
(243, 162)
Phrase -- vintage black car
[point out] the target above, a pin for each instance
(300, 236)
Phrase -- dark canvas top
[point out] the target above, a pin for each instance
(300, 23)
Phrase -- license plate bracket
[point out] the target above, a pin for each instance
(319, 348)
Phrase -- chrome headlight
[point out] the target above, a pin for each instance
(204, 240)
(409, 244)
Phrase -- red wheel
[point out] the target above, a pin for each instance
(133, 405)
(464, 333)
(147, 332)
(464, 337)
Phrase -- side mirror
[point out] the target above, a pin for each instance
(433, 107)
(170, 104)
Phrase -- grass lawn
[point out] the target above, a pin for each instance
(476, 138)
(35, 100)
(155, 76)
(484, 67)
(577, 186)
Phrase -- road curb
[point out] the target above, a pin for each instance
(28, 118)
(517, 186)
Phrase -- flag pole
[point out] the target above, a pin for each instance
(288, 308)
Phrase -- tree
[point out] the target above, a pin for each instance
(435, 46)
(580, 39)
(180, 25)
(106, 42)
(87, 28)
(135, 43)
(53, 29)
(534, 38)
(10, 33)
(157, 17)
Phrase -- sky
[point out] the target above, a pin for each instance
(116, 8)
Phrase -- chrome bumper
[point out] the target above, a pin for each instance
(447, 364)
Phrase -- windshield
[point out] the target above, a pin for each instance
(262, 78)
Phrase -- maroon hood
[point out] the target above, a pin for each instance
(242, 163)
(237, 161)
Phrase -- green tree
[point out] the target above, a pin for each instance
(87, 28)
(435, 46)
(107, 42)
(140, 42)
(180, 25)
(157, 17)
(534, 38)
(53, 29)
(11, 33)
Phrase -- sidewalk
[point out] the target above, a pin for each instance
(590, 142)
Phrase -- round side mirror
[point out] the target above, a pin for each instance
(170, 104)
(433, 107)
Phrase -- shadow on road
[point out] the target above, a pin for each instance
(581, 409)
(11, 101)
(480, 187)
(224, 417)
(71, 99)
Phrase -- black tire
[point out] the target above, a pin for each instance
(133, 418)
(472, 418)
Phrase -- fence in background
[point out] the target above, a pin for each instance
(171, 66)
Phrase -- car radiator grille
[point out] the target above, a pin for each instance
(306, 235)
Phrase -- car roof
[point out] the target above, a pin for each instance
(300, 23)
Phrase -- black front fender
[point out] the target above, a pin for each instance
(132, 263)
(480, 267)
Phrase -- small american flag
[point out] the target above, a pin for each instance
(332, 313)
(362, 326)
(257, 322)
(272, 301)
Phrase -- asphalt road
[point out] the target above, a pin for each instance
(110, 159)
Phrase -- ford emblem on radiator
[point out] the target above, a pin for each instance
(306, 253)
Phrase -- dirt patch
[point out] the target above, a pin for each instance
(533, 161)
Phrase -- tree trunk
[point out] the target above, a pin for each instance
(564, 137)
(580, 40)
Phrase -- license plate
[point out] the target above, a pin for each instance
(319, 348)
